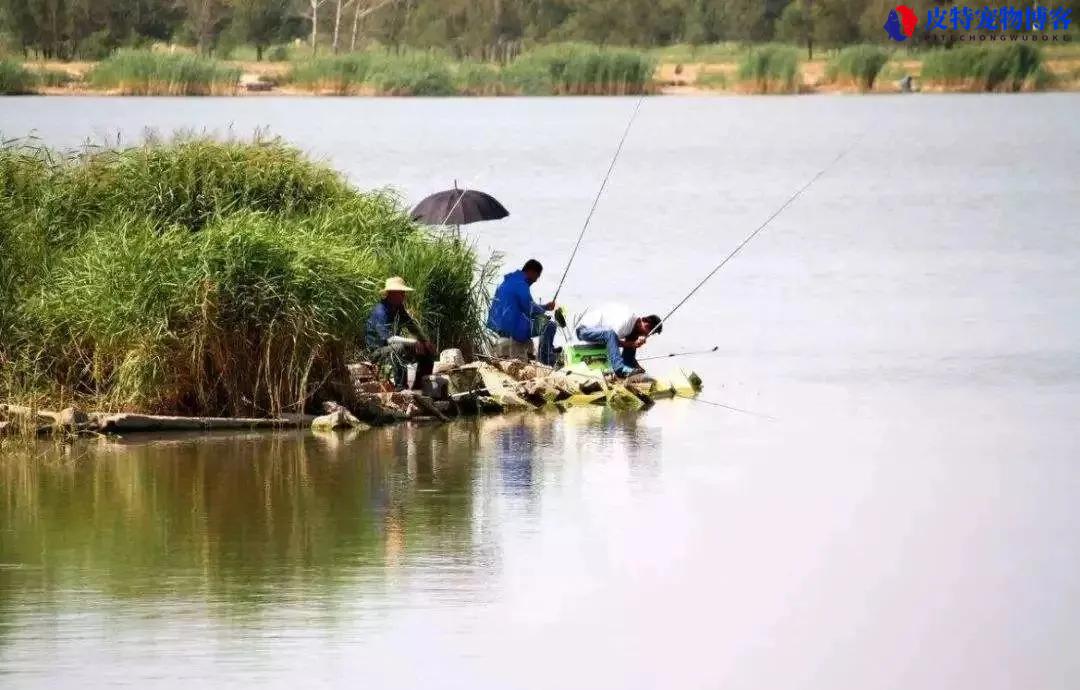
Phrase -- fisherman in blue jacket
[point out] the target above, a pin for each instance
(515, 315)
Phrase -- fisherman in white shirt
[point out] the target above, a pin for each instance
(621, 331)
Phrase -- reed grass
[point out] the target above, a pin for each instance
(411, 73)
(148, 73)
(479, 79)
(337, 74)
(381, 72)
(205, 277)
(54, 78)
(581, 69)
(573, 69)
(857, 65)
(1012, 67)
(770, 68)
(15, 79)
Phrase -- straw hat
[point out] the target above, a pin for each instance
(396, 284)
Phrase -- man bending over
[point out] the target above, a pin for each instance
(621, 331)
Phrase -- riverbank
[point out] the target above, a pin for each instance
(495, 386)
(680, 70)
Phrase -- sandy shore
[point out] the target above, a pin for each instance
(672, 79)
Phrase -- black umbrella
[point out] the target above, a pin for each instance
(458, 207)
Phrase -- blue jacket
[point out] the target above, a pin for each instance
(386, 321)
(512, 308)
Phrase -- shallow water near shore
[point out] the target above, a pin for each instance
(907, 520)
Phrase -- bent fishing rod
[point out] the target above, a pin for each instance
(599, 193)
(749, 238)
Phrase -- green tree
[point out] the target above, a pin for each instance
(260, 22)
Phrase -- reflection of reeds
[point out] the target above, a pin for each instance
(233, 518)
(146, 73)
(204, 277)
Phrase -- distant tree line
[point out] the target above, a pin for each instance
(487, 29)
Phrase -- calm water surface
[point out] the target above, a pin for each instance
(908, 521)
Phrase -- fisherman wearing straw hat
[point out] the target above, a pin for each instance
(384, 340)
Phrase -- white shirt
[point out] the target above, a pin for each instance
(615, 317)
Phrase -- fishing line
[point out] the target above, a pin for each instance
(599, 193)
(728, 407)
(457, 201)
(755, 233)
(680, 354)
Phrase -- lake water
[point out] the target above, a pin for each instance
(907, 520)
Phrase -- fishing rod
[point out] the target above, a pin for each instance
(457, 202)
(756, 232)
(599, 193)
(681, 354)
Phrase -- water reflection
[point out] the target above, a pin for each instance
(233, 518)
(239, 519)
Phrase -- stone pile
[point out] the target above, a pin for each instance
(457, 388)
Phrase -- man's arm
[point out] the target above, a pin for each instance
(527, 305)
(413, 326)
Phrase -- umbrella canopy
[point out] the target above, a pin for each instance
(458, 207)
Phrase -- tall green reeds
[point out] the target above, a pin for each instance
(204, 277)
(15, 79)
(857, 65)
(770, 68)
(386, 73)
(1011, 67)
(580, 69)
(148, 73)
(411, 73)
(552, 70)
(338, 74)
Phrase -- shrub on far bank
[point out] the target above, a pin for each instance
(411, 73)
(857, 65)
(15, 79)
(54, 78)
(580, 69)
(148, 73)
(1012, 67)
(770, 68)
(479, 79)
(341, 75)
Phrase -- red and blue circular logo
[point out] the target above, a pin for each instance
(901, 23)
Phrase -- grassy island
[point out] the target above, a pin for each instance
(203, 277)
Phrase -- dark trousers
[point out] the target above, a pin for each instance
(399, 361)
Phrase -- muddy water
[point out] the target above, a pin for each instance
(908, 519)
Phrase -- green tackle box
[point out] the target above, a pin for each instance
(592, 356)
